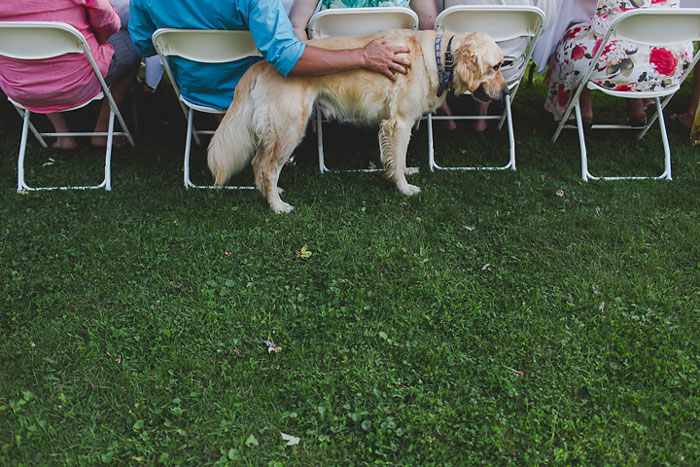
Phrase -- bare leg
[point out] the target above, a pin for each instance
(635, 109)
(586, 104)
(687, 117)
(61, 126)
(482, 109)
(448, 125)
(119, 90)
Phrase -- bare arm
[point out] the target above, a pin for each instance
(376, 56)
(299, 15)
(426, 11)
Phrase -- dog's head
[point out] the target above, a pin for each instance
(477, 67)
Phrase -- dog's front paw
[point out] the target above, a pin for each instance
(411, 170)
(409, 190)
(281, 207)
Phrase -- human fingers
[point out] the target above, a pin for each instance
(399, 49)
(397, 67)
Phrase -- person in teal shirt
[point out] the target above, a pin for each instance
(214, 84)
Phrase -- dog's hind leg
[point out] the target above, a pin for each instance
(270, 159)
(394, 136)
(267, 171)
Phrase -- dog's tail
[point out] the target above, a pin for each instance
(233, 144)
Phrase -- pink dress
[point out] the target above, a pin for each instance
(623, 65)
(63, 82)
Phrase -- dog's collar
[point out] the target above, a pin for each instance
(444, 76)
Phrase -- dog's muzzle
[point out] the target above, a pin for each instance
(481, 95)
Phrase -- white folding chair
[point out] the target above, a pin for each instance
(38, 40)
(502, 23)
(355, 22)
(655, 27)
(204, 46)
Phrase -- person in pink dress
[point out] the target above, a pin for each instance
(51, 85)
(623, 65)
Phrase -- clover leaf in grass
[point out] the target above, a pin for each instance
(251, 441)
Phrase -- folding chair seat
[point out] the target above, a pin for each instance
(502, 23)
(654, 27)
(203, 46)
(355, 22)
(38, 40)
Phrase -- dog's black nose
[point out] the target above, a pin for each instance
(505, 92)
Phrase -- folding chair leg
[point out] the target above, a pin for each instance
(319, 135)
(585, 174)
(108, 154)
(187, 112)
(652, 120)
(22, 150)
(33, 129)
(664, 139)
(511, 135)
(431, 149)
(188, 147)
(507, 117)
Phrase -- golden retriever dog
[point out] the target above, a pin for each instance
(269, 113)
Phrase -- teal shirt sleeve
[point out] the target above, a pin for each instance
(141, 29)
(272, 32)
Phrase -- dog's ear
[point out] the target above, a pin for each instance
(467, 66)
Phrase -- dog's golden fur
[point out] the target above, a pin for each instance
(269, 113)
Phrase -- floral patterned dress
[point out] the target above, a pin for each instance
(362, 3)
(623, 66)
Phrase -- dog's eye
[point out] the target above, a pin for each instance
(496, 67)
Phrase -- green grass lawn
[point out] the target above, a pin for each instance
(487, 320)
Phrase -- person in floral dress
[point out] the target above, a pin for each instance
(623, 66)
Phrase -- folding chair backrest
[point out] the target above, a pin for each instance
(655, 27)
(39, 40)
(33, 40)
(205, 46)
(502, 23)
(651, 27)
(659, 27)
(360, 21)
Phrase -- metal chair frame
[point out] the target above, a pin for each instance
(652, 26)
(203, 46)
(37, 40)
(502, 23)
(355, 22)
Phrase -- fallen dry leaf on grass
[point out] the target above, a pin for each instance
(559, 193)
(291, 440)
(304, 253)
(271, 346)
(519, 373)
(251, 441)
(180, 287)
